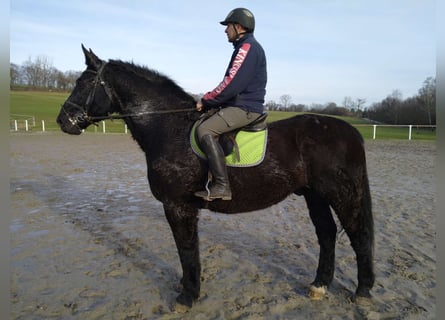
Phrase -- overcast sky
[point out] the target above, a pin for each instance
(318, 51)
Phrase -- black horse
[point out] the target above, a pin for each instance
(318, 157)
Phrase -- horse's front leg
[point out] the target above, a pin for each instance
(183, 221)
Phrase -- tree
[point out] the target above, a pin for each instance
(394, 102)
(71, 77)
(14, 74)
(316, 107)
(39, 73)
(348, 103)
(271, 105)
(297, 107)
(332, 109)
(359, 103)
(412, 112)
(31, 73)
(388, 110)
(285, 100)
(427, 97)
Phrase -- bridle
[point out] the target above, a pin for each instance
(83, 117)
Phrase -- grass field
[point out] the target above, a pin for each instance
(46, 105)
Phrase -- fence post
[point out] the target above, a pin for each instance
(26, 125)
(43, 125)
(410, 130)
(103, 126)
(16, 127)
(126, 129)
(375, 129)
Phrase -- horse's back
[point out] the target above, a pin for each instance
(319, 127)
(326, 150)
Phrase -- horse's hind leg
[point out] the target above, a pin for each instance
(359, 226)
(326, 231)
(184, 225)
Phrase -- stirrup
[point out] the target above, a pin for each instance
(207, 194)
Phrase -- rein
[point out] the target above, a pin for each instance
(127, 115)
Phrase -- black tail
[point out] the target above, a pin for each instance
(367, 216)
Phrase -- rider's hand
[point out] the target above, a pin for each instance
(199, 105)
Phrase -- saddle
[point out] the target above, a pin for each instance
(242, 147)
(228, 141)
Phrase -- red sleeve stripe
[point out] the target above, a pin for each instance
(236, 64)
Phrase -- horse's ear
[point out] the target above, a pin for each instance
(91, 60)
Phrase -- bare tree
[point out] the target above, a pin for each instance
(427, 96)
(359, 103)
(14, 74)
(297, 107)
(348, 103)
(31, 73)
(39, 72)
(419, 109)
(71, 77)
(285, 100)
(388, 110)
(271, 105)
(394, 102)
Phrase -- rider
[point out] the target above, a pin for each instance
(238, 99)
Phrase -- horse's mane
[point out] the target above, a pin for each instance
(155, 77)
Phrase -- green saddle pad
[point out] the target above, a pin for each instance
(252, 147)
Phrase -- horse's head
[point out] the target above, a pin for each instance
(90, 99)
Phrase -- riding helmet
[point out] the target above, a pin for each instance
(241, 16)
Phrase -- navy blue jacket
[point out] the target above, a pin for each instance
(244, 83)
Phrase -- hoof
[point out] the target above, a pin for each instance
(363, 301)
(183, 304)
(180, 308)
(317, 293)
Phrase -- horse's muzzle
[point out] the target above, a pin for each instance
(72, 124)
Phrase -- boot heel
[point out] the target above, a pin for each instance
(226, 197)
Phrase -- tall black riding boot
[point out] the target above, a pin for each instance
(220, 187)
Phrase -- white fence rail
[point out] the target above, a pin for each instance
(410, 128)
(29, 124)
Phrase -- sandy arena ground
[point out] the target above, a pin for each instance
(89, 241)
